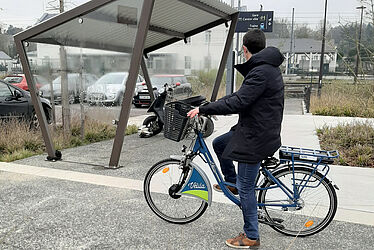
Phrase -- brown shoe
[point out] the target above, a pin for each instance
(241, 241)
(233, 190)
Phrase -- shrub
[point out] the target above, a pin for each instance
(131, 129)
(17, 141)
(355, 143)
(342, 99)
(203, 83)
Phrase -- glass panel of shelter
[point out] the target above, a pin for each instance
(107, 30)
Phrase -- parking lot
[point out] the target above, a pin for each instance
(109, 113)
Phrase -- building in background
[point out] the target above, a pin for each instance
(305, 55)
(202, 51)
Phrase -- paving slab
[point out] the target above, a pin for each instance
(139, 154)
(78, 204)
(48, 213)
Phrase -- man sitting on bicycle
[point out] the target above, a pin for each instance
(259, 103)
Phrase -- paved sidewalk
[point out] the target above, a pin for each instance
(77, 204)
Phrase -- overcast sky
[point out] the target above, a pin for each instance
(23, 13)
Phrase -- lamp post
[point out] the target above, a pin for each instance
(359, 42)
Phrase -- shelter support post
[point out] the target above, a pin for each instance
(147, 79)
(226, 50)
(36, 101)
(136, 58)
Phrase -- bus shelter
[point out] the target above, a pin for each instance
(134, 27)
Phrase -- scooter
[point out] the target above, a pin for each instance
(154, 124)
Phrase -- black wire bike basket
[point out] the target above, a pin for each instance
(176, 120)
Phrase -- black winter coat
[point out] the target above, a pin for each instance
(259, 103)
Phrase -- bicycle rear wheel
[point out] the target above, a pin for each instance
(160, 184)
(317, 204)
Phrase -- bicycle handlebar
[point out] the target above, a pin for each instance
(199, 122)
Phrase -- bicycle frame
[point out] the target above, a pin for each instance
(201, 148)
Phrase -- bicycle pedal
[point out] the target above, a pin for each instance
(278, 220)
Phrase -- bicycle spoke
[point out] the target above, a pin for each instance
(173, 208)
(315, 209)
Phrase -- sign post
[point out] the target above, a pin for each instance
(247, 20)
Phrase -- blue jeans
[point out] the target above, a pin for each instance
(245, 182)
(227, 166)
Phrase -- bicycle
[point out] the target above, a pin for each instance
(295, 196)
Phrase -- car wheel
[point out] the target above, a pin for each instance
(120, 100)
(137, 105)
(71, 99)
(34, 122)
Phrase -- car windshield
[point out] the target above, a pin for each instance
(4, 90)
(114, 78)
(159, 81)
(72, 78)
(13, 79)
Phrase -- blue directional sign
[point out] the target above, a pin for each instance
(262, 20)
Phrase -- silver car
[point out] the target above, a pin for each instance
(73, 87)
(109, 89)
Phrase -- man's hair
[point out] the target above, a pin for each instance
(254, 40)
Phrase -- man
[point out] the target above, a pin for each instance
(259, 103)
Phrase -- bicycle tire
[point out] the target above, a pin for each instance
(183, 209)
(307, 220)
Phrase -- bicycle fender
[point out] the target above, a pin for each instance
(328, 179)
(197, 185)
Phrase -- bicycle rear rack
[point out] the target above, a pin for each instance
(295, 154)
(318, 159)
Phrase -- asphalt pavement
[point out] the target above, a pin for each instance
(76, 203)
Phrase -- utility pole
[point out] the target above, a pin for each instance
(359, 43)
(291, 47)
(322, 53)
(64, 88)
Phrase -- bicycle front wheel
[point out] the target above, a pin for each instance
(160, 185)
(316, 206)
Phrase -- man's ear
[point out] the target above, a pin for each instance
(245, 50)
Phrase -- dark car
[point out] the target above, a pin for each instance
(16, 103)
(178, 83)
(73, 87)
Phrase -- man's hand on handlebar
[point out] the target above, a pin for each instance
(193, 112)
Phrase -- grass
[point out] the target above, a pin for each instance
(17, 141)
(342, 99)
(355, 143)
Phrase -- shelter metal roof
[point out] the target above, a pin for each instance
(112, 24)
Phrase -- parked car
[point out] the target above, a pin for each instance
(20, 81)
(109, 88)
(16, 103)
(73, 87)
(178, 83)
